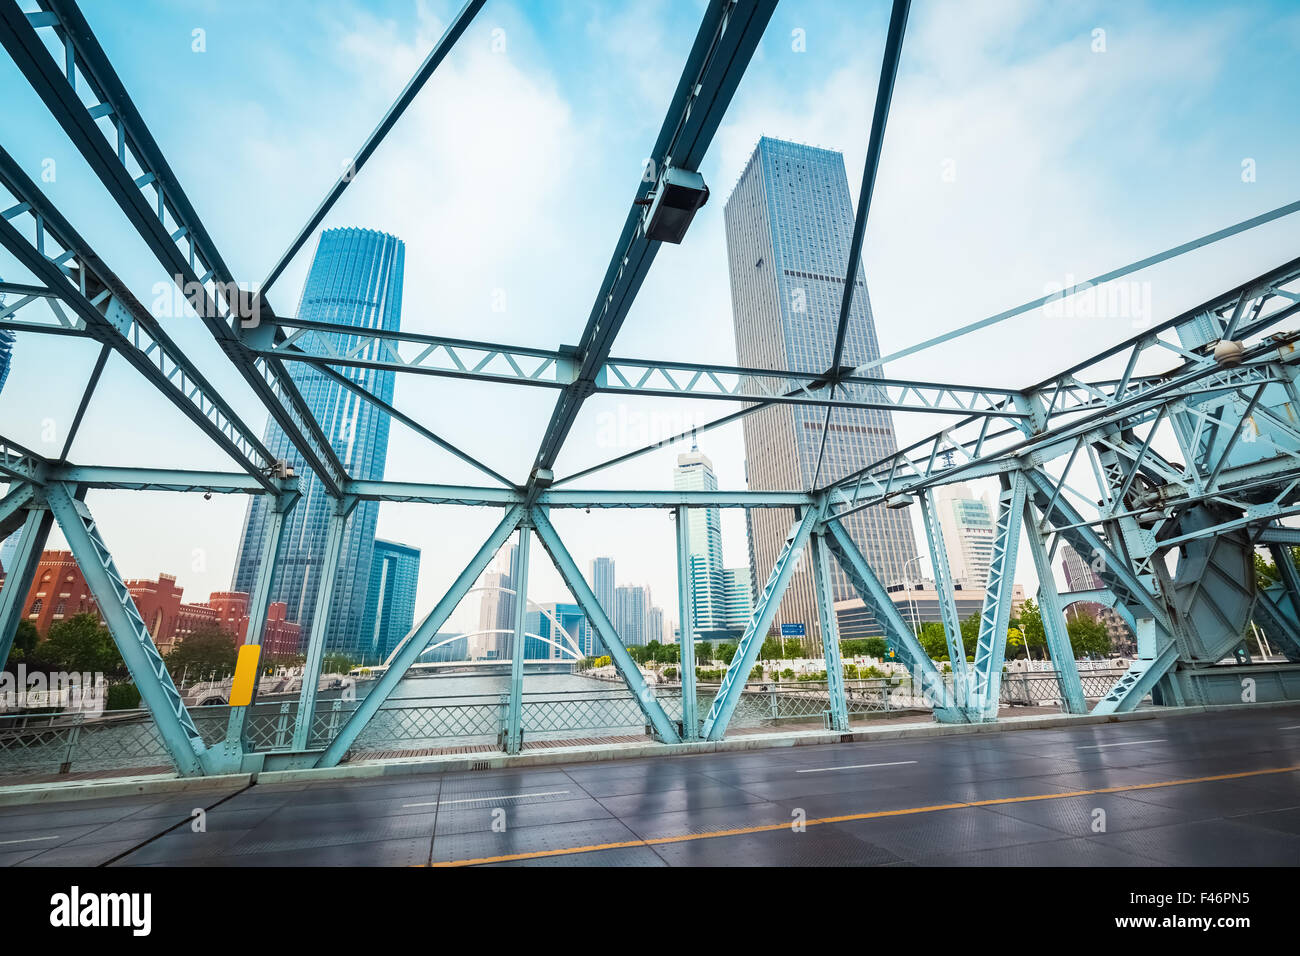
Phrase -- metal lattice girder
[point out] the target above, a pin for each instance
(33, 533)
(335, 525)
(751, 642)
(236, 744)
(56, 254)
(414, 644)
(900, 636)
(622, 661)
(727, 39)
(990, 648)
(1115, 571)
(1083, 406)
(685, 615)
(21, 464)
(1142, 676)
(155, 204)
(1053, 617)
(117, 608)
(399, 351)
(830, 631)
(515, 709)
(14, 507)
(943, 584)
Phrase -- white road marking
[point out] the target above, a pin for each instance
(515, 796)
(28, 840)
(1121, 743)
(860, 766)
(1296, 727)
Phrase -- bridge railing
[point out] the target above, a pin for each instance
(61, 743)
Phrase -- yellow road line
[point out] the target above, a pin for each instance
(871, 815)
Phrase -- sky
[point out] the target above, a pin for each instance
(1029, 145)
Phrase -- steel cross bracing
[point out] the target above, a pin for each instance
(155, 203)
(1227, 412)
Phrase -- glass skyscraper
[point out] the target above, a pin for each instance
(789, 222)
(355, 280)
(390, 601)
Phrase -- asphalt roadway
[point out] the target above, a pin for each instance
(1219, 789)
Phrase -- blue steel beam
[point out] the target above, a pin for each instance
(1052, 613)
(116, 318)
(236, 743)
(187, 252)
(459, 24)
(515, 709)
(622, 661)
(182, 739)
(18, 499)
(875, 143)
(990, 649)
(415, 643)
(685, 614)
(838, 707)
(335, 524)
(751, 642)
(18, 578)
(943, 584)
(899, 635)
(726, 41)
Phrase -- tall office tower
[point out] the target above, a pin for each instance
(542, 623)
(355, 280)
(966, 522)
(390, 602)
(789, 222)
(1081, 576)
(631, 614)
(602, 585)
(740, 600)
(506, 606)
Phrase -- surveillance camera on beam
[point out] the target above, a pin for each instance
(678, 196)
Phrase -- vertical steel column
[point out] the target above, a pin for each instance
(182, 739)
(690, 707)
(995, 618)
(515, 712)
(311, 671)
(236, 743)
(1053, 617)
(18, 579)
(943, 584)
(822, 581)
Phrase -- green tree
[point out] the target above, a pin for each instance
(337, 664)
(704, 651)
(771, 649)
(1088, 636)
(1030, 624)
(793, 649)
(26, 637)
(933, 641)
(725, 653)
(82, 643)
(207, 651)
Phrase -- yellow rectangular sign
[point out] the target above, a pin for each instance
(241, 691)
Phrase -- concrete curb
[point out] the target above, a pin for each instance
(458, 763)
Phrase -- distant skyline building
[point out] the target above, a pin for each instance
(390, 600)
(7, 339)
(655, 625)
(966, 521)
(544, 646)
(488, 643)
(601, 579)
(632, 614)
(714, 609)
(355, 280)
(789, 222)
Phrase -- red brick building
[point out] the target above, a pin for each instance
(59, 591)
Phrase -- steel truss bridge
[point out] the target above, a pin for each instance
(1174, 539)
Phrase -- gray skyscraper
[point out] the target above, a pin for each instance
(631, 614)
(715, 612)
(355, 280)
(789, 222)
